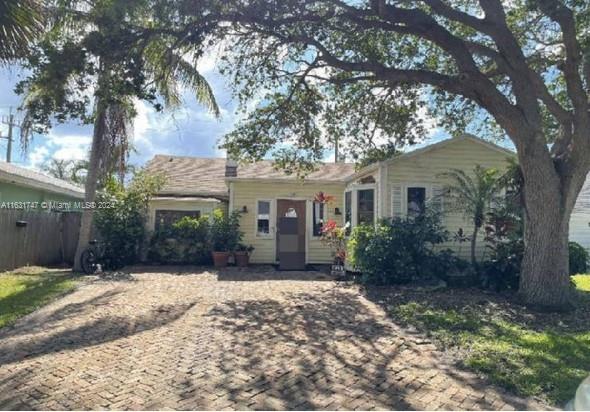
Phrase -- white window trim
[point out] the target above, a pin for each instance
(405, 186)
(344, 207)
(271, 220)
(311, 222)
(354, 188)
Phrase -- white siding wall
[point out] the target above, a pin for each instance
(247, 193)
(579, 229)
(424, 168)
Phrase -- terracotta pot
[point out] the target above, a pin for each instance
(220, 259)
(242, 259)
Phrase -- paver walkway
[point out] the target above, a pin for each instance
(233, 340)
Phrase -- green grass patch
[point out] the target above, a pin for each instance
(24, 290)
(531, 361)
(582, 282)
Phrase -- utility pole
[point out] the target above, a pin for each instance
(9, 120)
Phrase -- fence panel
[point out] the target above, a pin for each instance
(43, 238)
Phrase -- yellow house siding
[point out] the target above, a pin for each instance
(425, 168)
(247, 193)
(205, 206)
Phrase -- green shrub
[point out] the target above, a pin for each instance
(399, 250)
(186, 242)
(504, 241)
(225, 231)
(578, 258)
(122, 225)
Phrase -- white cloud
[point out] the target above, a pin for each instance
(71, 153)
(54, 145)
(38, 156)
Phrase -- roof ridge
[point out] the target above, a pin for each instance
(223, 158)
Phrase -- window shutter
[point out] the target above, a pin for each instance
(437, 200)
(396, 201)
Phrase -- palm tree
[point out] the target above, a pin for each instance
(123, 56)
(473, 195)
(112, 125)
(21, 23)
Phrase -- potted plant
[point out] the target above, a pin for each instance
(242, 255)
(225, 236)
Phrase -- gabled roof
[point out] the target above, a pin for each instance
(325, 172)
(197, 176)
(21, 176)
(431, 147)
(190, 176)
(205, 177)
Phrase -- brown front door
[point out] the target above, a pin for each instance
(291, 234)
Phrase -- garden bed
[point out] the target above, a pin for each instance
(534, 354)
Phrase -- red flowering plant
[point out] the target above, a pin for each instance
(321, 197)
(331, 234)
(335, 237)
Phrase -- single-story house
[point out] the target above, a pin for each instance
(394, 187)
(18, 184)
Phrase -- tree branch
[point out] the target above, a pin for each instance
(564, 17)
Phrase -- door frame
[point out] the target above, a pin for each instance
(307, 220)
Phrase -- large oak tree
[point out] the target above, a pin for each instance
(361, 72)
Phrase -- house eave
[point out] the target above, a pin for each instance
(284, 180)
(197, 195)
(367, 169)
(35, 184)
(446, 142)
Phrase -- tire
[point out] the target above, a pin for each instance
(88, 262)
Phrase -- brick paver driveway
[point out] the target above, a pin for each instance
(230, 340)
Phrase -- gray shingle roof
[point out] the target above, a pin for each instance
(27, 177)
(336, 172)
(190, 176)
(197, 176)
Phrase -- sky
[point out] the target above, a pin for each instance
(188, 131)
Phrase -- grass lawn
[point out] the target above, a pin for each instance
(582, 282)
(24, 290)
(534, 354)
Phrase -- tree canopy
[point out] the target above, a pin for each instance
(367, 72)
(117, 52)
(364, 73)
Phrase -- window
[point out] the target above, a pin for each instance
(416, 201)
(166, 218)
(348, 211)
(318, 218)
(366, 206)
(263, 218)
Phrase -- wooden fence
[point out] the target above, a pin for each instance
(37, 238)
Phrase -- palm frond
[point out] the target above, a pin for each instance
(471, 193)
(21, 21)
(191, 77)
(171, 72)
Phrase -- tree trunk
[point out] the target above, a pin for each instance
(474, 244)
(545, 280)
(548, 203)
(91, 183)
